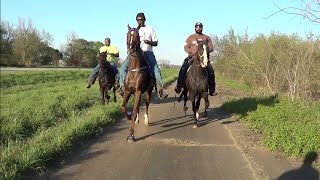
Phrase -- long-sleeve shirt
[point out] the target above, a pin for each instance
(191, 43)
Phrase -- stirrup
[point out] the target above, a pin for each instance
(162, 94)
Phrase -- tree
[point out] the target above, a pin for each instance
(6, 41)
(307, 9)
(28, 41)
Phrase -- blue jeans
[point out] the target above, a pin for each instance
(154, 68)
(94, 74)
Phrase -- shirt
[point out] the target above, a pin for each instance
(147, 33)
(109, 49)
(191, 45)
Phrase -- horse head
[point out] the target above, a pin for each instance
(102, 59)
(133, 40)
(202, 53)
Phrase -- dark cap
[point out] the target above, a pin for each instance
(141, 14)
(198, 24)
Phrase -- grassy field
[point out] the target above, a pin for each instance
(44, 115)
(286, 126)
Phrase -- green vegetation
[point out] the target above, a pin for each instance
(275, 63)
(44, 115)
(286, 126)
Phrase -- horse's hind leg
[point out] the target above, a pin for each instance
(146, 120)
(185, 98)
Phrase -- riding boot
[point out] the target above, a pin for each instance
(182, 75)
(211, 80)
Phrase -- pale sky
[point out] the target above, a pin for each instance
(172, 20)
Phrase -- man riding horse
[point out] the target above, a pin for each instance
(148, 39)
(112, 53)
(191, 49)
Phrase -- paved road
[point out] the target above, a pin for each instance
(166, 149)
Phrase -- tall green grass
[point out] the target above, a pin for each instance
(287, 126)
(44, 115)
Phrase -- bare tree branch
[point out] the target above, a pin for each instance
(309, 11)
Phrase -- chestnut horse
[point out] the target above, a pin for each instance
(137, 80)
(197, 82)
(106, 79)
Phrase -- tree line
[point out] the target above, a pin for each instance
(24, 45)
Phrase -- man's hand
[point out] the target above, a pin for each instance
(147, 42)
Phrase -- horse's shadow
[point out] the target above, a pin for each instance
(214, 115)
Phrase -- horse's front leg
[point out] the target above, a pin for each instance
(196, 121)
(206, 104)
(124, 109)
(102, 95)
(134, 116)
(114, 94)
(106, 95)
(148, 100)
(194, 109)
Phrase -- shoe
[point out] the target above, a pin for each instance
(177, 89)
(120, 91)
(163, 94)
(213, 93)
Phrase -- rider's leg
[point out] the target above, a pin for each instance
(154, 66)
(93, 76)
(123, 73)
(115, 72)
(211, 80)
(182, 75)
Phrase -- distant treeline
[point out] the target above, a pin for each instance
(24, 45)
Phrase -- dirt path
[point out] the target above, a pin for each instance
(170, 149)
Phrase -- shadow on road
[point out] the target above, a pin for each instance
(306, 171)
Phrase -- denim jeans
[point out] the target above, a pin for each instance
(154, 68)
(94, 74)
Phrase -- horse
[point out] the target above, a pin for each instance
(106, 79)
(196, 82)
(137, 81)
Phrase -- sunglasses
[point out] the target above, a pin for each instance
(198, 26)
(139, 19)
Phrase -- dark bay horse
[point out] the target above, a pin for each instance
(106, 79)
(137, 80)
(197, 82)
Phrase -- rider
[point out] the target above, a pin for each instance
(191, 48)
(148, 39)
(112, 55)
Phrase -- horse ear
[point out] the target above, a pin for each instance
(129, 27)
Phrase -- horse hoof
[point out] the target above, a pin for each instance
(195, 126)
(130, 139)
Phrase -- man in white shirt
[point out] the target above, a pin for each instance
(148, 39)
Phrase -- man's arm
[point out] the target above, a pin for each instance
(151, 43)
(154, 39)
(210, 44)
(187, 45)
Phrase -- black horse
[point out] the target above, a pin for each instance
(197, 82)
(106, 79)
